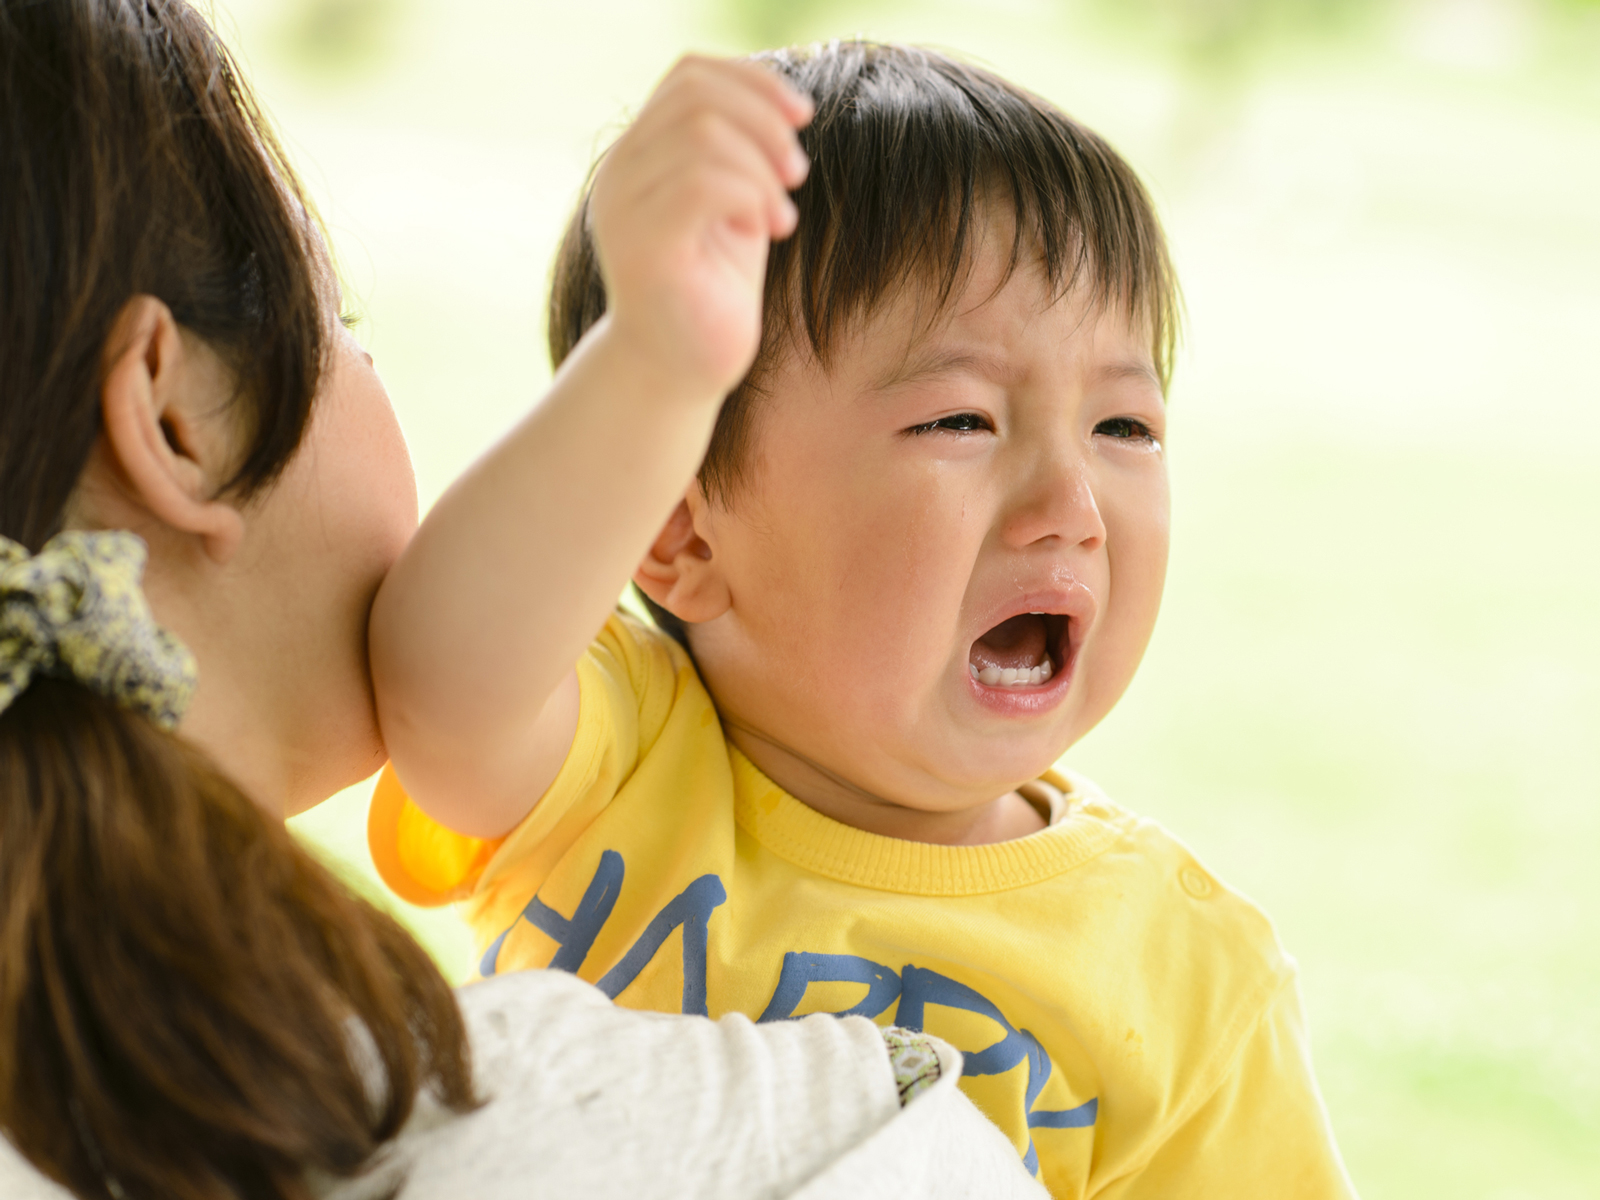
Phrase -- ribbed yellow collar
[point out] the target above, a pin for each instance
(1084, 825)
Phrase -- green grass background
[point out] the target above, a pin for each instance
(1372, 700)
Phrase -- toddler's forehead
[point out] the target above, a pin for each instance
(994, 294)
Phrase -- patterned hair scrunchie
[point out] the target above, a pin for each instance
(76, 611)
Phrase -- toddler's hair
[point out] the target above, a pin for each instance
(907, 147)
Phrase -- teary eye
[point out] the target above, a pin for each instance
(960, 423)
(1127, 429)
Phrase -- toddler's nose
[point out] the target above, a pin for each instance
(1055, 500)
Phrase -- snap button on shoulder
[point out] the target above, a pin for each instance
(1194, 882)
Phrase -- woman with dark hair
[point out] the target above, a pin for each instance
(201, 486)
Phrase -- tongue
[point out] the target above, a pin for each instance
(1018, 643)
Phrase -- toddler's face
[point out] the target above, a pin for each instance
(948, 557)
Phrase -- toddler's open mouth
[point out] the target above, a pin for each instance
(1022, 651)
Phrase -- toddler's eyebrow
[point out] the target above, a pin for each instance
(1131, 369)
(934, 362)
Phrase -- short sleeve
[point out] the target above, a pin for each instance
(628, 681)
(1264, 1132)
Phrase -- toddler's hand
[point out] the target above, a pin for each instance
(683, 210)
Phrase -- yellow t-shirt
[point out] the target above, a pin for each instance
(1131, 1024)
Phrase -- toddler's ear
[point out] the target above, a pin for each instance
(679, 572)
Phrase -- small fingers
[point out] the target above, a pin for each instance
(709, 141)
(725, 144)
(748, 95)
(782, 217)
(796, 106)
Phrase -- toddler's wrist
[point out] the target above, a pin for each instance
(665, 371)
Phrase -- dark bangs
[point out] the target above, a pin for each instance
(910, 150)
(907, 146)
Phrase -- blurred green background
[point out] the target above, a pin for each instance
(1373, 699)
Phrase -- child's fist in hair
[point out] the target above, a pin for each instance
(683, 209)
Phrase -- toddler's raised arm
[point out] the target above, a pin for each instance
(476, 632)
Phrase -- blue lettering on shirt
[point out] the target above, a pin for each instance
(575, 934)
(800, 971)
(920, 987)
(914, 987)
(1081, 1117)
(692, 909)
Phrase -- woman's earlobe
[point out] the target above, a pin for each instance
(680, 571)
(165, 464)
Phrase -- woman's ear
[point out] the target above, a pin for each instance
(680, 572)
(165, 458)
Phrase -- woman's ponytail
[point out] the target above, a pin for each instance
(180, 982)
